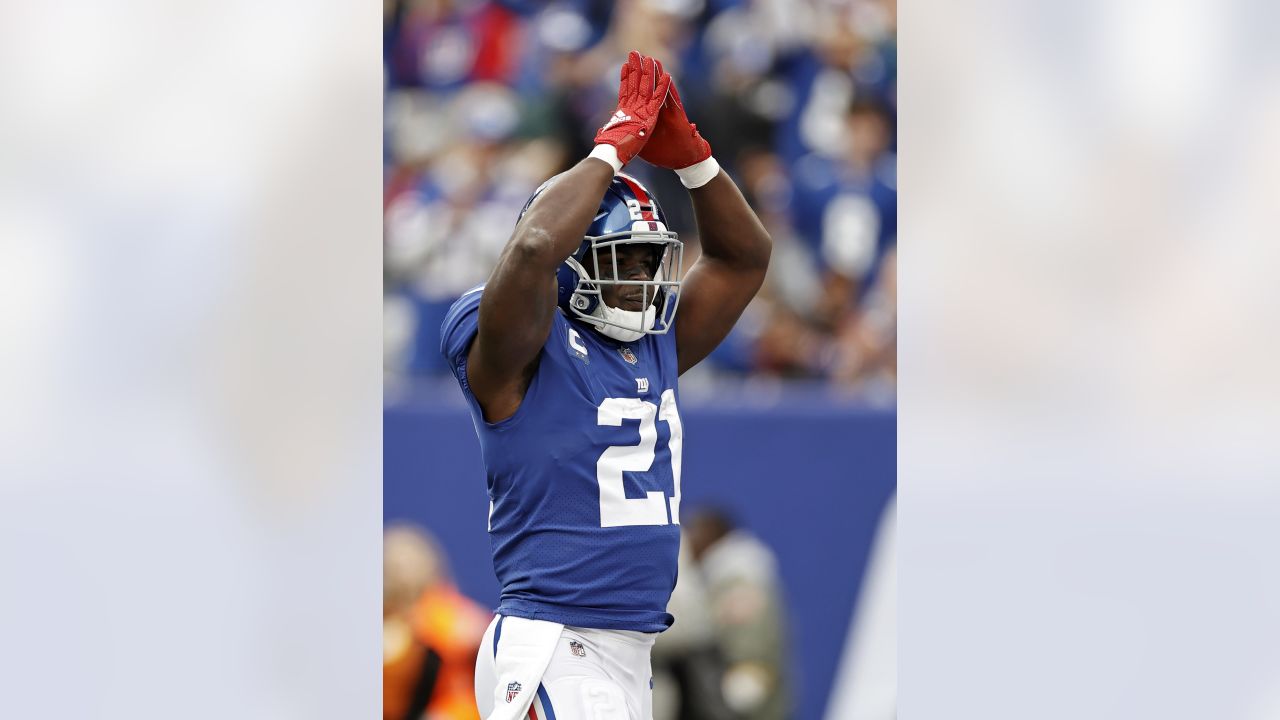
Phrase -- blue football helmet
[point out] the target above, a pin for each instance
(628, 214)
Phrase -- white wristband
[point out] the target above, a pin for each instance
(609, 154)
(699, 174)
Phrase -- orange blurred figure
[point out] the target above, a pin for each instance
(431, 633)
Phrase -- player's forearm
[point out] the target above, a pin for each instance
(728, 228)
(555, 223)
(520, 296)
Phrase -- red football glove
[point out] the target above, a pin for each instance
(676, 143)
(641, 92)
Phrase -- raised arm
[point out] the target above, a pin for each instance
(519, 300)
(735, 245)
(718, 287)
(520, 296)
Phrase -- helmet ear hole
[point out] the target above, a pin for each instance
(580, 302)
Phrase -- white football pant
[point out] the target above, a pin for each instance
(547, 671)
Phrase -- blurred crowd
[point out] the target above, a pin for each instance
(487, 98)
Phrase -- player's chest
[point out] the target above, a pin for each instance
(603, 370)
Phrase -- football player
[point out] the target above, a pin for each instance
(569, 357)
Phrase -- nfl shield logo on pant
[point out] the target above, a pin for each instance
(513, 689)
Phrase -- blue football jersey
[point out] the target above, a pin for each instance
(584, 479)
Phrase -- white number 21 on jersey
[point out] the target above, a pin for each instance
(616, 509)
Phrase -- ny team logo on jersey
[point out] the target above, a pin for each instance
(628, 355)
(513, 689)
(576, 648)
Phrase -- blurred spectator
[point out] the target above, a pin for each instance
(688, 668)
(867, 352)
(746, 614)
(487, 98)
(858, 222)
(430, 631)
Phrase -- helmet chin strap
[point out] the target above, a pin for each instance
(621, 322)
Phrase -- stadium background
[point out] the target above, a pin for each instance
(790, 423)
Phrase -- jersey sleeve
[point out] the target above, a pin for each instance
(459, 328)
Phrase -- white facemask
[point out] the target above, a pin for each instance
(621, 325)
